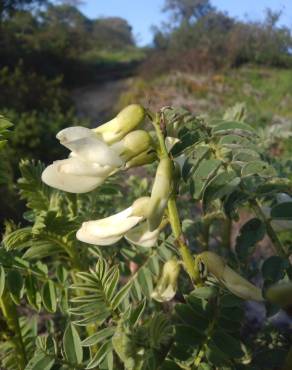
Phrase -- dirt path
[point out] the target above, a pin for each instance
(96, 102)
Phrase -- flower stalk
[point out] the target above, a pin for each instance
(173, 215)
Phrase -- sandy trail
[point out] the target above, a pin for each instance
(97, 102)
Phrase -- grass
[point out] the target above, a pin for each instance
(114, 56)
(267, 92)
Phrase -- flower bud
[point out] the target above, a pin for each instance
(214, 264)
(167, 284)
(133, 144)
(146, 157)
(161, 190)
(280, 294)
(236, 284)
(126, 121)
(140, 207)
(241, 287)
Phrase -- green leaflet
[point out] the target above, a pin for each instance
(15, 285)
(235, 128)
(205, 171)
(259, 168)
(72, 345)
(282, 211)
(49, 296)
(40, 361)
(2, 280)
(224, 183)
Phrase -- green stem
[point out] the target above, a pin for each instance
(11, 316)
(188, 259)
(226, 233)
(210, 331)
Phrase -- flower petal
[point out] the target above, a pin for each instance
(53, 177)
(140, 235)
(86, 237)
(77, 166)
(94, 150)
(74, 133)
(117, 224)
(164, 295)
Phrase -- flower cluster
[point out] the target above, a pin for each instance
(98, 153)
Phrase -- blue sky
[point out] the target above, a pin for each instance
(142, 14)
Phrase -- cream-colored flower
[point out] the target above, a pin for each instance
(167, 284)
(75, 175)
(111, 229)
(92, 160)
(141, 235)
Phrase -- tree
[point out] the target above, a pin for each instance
(74, 3)
(188, 10)
(8, 7)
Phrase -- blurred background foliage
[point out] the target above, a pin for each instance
(60, 68)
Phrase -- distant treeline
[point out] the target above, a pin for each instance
(56, 40)
(45, 50)
(199, 37)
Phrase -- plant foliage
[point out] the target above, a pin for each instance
(67, 305)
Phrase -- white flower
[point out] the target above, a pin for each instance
(75, 175)
(141, 235)
(167, 284)
(91, 161)
(109, 230)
